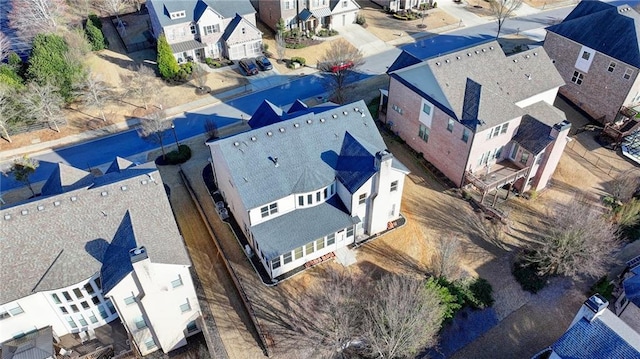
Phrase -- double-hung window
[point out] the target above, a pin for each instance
(423, 133)
(577, 77)
(269, 210)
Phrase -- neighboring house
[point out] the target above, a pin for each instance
(480, 116)
(308, 186)
(596, 49)
(90, 250)
(399, 5)
(627, 294)
(595, 332)
(311, 15)
(196, 29)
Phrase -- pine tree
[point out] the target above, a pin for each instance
(167, 63)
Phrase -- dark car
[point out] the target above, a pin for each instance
(263, 63)
(248, 66)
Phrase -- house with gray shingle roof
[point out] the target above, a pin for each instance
(596, 50)
(479, 116)
(92, 249)
(196, 29)
(308, 15)
(308, 185)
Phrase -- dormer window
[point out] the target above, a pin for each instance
(177, 15)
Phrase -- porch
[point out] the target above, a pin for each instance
(499, 174)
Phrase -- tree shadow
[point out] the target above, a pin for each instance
(390, 254)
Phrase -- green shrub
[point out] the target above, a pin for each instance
(327, 33)
(527, 276)
(95, 20)
(301, 60)
(182, 155)
(9, 77)
(361, 20)
(167, 63)
(482, 292)
(187, 67)
(295, 45)
(447, 299)
(95, 36)
(435, 4)
(604, 287)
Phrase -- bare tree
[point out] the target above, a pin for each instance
(579, 241)
(445, 260)
(502, 9)
(340, 60)
(625, 185)
(211, 127)
(199, 75)
(402, 318)
(7, 111)
(22, 168)
(32, 17)
(5, 46)
(43, 103)
(153, 128)
(113, 8)
(95, 93)
(281, 46)
(142, 85)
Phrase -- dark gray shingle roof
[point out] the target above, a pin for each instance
(533, 135)
(195, 8)
(35, 345)
(595, 339)
(66, 178)
(612, 30)
(61, 239)
(632, 287)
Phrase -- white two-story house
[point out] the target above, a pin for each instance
(90, 250)
(196, 29)
(306, 186)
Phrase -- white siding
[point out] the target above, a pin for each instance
(548, 96)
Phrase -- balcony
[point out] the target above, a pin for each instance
(500, 174)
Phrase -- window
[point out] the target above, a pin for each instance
(185, 307)
(540, 158)
(450, 125)
(287, 5)
(426, 108)
(496, 131)
(331, 239)
(192, 327)
(211, 29)
(362, 198)
(586, 55)
(192, 27)
(287, 258)
(67, 296)
(345, 3)
(64, 310)
(577, 78)
(326, 192)
(110, 306)
(72, 324)
(103, 312)
(627, 74)
(83, 322)
(394, 186)
(84, 305)
(4, 315)
(504, 127)
(396, 109)
(269, 210)
(423, 133)
(499, 151)
(89, 288)
(92, 318)
(95, 300)
(465, 135)
(74, 308)
(612, 66)
(318, 197)
(308, 249)
(309, 199)
(275, 263)
(150, 344)
(301, 199)
(98, 283)
(524, 158)
(139, 322)
(176, 282)
(297, 253)
(55, 298)
(129, 300)
(349, 232)
(319, 243)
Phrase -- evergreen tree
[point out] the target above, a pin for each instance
(167, 63)
(95, 36)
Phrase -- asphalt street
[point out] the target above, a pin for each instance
(130, 145)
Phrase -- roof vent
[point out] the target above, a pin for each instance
(296, 125)
(447, 61)
(269, 133)
(535, 54)
(274, 160)
(437, 63)
(124, 188)
(309, 121)
(457, 57)
(334, 116)
(484, 50)
(24, 212)
(345, 113)
(254, 138)
(104, 193)
(528, 76)
(477, 52)
(356, 109)
(56, 203)
(236, 143)
(527, 56)
(7, 217)
(281, 129)
(74, 198)
(138, 254)
(245, 179)
(40, 207)
(490, 47)
(322, 120)
(144, 182)
(468, 54)
(515, 60)
(362, 114)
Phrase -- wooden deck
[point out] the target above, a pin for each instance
(501, 173)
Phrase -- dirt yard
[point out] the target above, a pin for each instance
(387, 28)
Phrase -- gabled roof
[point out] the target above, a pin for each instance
(195, 8)
(612, 30)
(600, 338)
(310, 141)
(35, 345)
(482, 77)
(116, 262)
(533, 135)
(355, 164)
(403, 60)
(297, 106)
(66, 178)
(266, 114)
(233, 26)
(57, 241)
(118, 165)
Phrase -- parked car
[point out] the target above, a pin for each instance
(248, 66)
(341, 66)
(263, 63)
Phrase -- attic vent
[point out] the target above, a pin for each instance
(24, 212)
(468, 54)
(490, 47)
(535, 54)
(254, 138)
(245, 179)
(236, 143)
(345, 113)
(356, 109)
(104, 193)
(322, 120)
(296, 125)
(447, 61)
(484, 50)
(124, 188)
(334, 116)
(74, 198)
(281, 129)
(437, 63)
(526, 56)
(477, 52)
(528, 76)
(269, 133)
(309, 121)
(56, 203)
(362, 114)
(40, 207)
(144, 182)
(457, 57)
(7, 217)
(515, 60)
